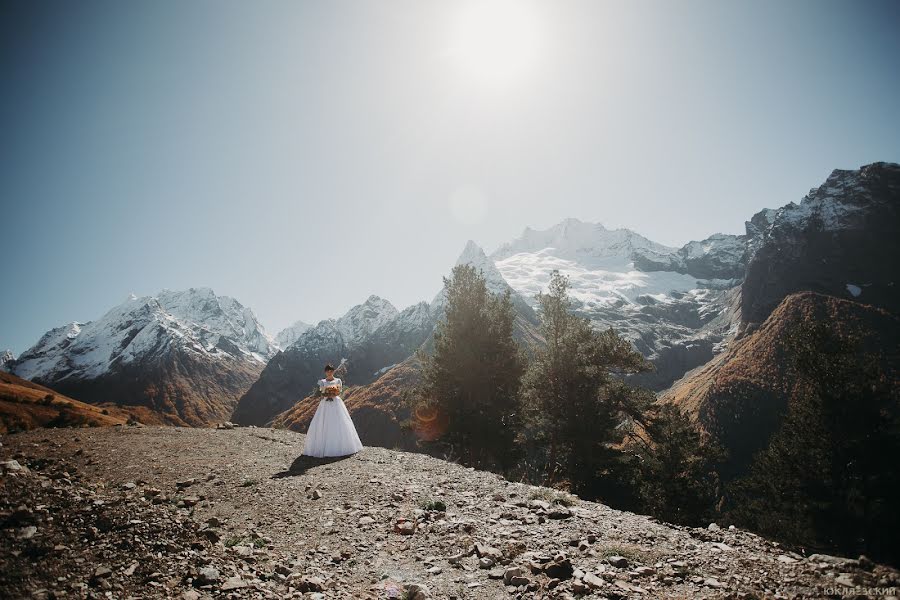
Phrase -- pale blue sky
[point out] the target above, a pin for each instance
(249, 146)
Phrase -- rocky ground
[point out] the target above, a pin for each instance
(131, 511)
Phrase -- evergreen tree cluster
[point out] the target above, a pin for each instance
(565, 416)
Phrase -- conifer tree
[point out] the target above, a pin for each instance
(677, 476)
(472, 376)
(575, 403)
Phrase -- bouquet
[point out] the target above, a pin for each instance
(331, 391)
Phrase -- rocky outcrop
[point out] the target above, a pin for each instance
(238, 513)
(842, 239)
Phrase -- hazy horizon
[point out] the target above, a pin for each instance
(251, 147)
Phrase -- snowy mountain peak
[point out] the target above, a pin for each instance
(289, 334)
(363, 319)
(473, 255)
(6, 359)
(195, 320)
(585, 243)
(413, 317)
(843, 202)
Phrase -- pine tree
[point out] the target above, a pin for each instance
(575, 404)
(677, 475)
(472, 376)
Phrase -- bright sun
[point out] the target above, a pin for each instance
(496, 42)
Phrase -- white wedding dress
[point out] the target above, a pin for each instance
(331, 431)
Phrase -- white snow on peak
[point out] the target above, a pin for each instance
(718, 243)
(195, 320)
(595, 287)
(473, 255)
(289, 335)
(363, 319)
(412, 317)
(589, 244)
(6, 357)
(839, 203)
(598, 261)
(359, 323)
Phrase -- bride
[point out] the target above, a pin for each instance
(331, 431)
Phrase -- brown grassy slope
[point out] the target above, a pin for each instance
(25, 405)
(740, 396)
(377, 409)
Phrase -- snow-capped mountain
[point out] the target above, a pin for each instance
(585, 243)
(679, 306)
(495, 281)
(609, 266)
(655, 295)
(6, 360)
(95, 361)
(289, 335)
(195, 320)
(843, 239)
(367, 339)
(361, 320)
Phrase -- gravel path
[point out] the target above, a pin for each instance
(199, 513)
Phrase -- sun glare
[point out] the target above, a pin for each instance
(496, 42)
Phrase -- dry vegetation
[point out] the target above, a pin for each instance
(25, 405)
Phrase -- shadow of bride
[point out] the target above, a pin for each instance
(304, 463)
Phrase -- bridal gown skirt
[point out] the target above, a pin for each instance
(331, 431)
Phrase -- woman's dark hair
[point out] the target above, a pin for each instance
(329, 367)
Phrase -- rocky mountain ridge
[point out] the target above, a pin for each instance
(370, 338)
(195, 320)
(842, 240)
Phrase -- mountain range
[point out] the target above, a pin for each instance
(185, 355)
(195, 358)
